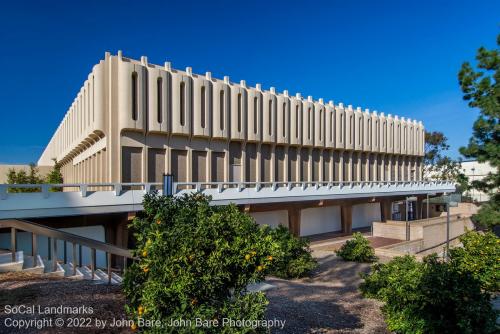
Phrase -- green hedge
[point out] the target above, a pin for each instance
(429, 297)
(357, 249)
(296, 260)
(479, 256)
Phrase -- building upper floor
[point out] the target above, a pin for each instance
(122, 94)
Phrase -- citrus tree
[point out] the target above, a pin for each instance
(195, 262)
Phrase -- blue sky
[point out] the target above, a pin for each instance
(398, 57)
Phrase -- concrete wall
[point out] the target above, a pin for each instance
(364, 215)
(127, 103)
(320, 220)
(271, 218)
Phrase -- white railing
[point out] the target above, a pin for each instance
(83, 188)
(257, 186)
(99, 198)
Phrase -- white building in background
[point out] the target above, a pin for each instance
(475, 171)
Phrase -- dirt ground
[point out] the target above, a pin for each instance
(28, 289)
(328, 302)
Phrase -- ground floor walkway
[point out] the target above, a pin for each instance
(328, 302)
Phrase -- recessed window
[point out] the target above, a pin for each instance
(255, 114)
(270, 119)
(203, 107)
(239, 111)
(182, 104)
(159, 94)
(134, 96)
(221, 110)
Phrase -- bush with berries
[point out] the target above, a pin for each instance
(195, 261)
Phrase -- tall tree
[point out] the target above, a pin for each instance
(481, 87)
(439, 166)
(55, 176)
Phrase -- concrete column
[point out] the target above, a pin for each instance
(286, 164)
(382, 167)
(321, 169)
(294, 220)
(273, 163)
(341, 166)
(358, 167)
(332, 167)
(258, 173)
(375, 167)
(385, 210)
(346, 218)
(396, 168)
(310, 166)
(419, 207)
(367, 167)
(349, 167)
(389, 167)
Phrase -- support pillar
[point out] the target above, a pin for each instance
(346, 218)
(294, 221)
(419, 207)
(385, 210)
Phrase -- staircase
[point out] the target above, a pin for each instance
(15, 260)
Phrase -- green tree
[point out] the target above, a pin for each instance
(33, 177)
(55, 176)
(429, 297)
(439, 166)
(196, 261)
(481, 87)
(22, 177)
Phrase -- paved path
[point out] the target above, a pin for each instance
(328, 302)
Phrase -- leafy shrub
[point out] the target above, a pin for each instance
(479, 256)
(488, 215)
(195, 261)
(429, 297)
(296, 260)
(357, 249)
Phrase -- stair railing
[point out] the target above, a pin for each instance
(54, 235)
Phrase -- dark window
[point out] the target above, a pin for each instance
(239, 112)
(159, 92)
(134, 96)
(203, 107)
(255, 100)
(221, 112)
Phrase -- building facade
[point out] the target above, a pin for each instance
(133, 121)
(476, 171)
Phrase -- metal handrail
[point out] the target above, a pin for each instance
(55, 234)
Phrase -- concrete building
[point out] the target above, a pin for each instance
(476, 171)
(133, 121)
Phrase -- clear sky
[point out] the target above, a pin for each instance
(397, 57)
